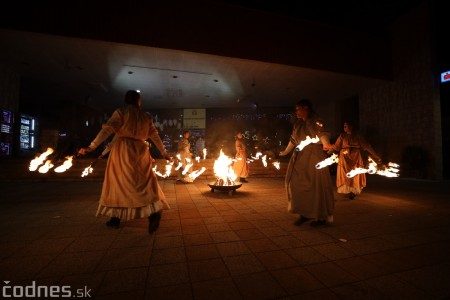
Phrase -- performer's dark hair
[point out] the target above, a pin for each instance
(308, 104)
(132, 97)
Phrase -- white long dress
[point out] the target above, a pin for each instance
(130, 187)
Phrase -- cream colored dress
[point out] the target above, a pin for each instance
(309, 190)
(184, 151)
(240, 166)
(130, 187)
(349, 147)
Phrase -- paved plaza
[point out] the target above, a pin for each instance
(391, 242)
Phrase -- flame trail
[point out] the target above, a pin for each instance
(47, 166)
(306, 142)
(328, 161)
(39, 160)
(65, 166)
(390, 171)
(264, 161)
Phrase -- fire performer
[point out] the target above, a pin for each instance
(309, 191)
(240, 166)
(349, 145)
(185, 156)
(130, 188)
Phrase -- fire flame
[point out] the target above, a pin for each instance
(197, 158)
(264, 161)
(204, 153)
(328, 161)
(47, 166)
(257, 156)
(196, 173)
(223, 170)
(87, 171)
(276, 164)
(306, 142)
(39, 160)
(187, 167)
(391, 171)
(65, 166)
(168, 168)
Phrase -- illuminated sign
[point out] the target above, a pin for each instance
(445, 76)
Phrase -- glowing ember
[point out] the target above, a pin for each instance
(276, 164)
(39, 160)
(257, 156)
(65, 166)
(196, 173)
(47, 166)
(306, 142)
(178, 166)
(87, 171)
(224, 171)
(328, 161)
(168, 168)
(187, 167)
(264, 161)
(204, 153)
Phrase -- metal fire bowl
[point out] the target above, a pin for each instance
(226, 188)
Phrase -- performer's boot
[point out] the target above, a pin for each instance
(113, 222)
(153, 222)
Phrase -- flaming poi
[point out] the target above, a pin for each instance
(328, 161)
(89, 169)
(306, 142)
(45, 167)
(65, 166)
(392, 170)
(39, 160)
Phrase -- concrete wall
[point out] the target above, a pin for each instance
(9, 89)
(402, 118)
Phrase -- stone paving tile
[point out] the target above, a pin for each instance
(243, 264)
(261, 245)
(209, 269)
(390, 243)
(232, 248)
(393, 287)
(296, 280)
(123, 280)
(200, 252)
(276, 260)
(168, 275)
(218, 289)
(178, 292)
(259, 286)
(330, 274)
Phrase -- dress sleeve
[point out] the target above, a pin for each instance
(338, 144)
(111, 126)
(367, 147)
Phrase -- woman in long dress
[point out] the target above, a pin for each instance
(130, 187)
(349, 144)
(309, 190)
(185, 157)
(240, 166)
